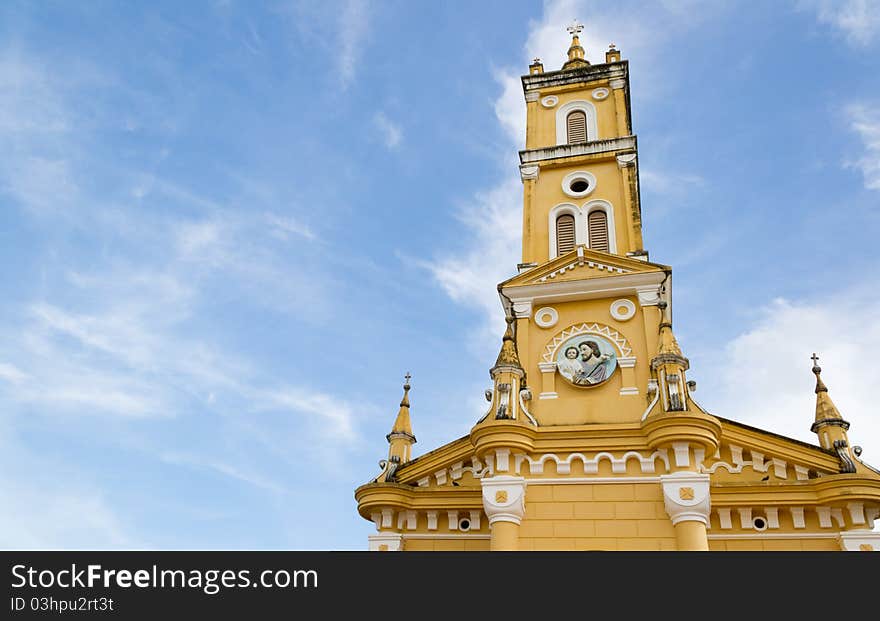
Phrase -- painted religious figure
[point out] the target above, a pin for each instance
(586, 360)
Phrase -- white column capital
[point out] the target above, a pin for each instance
(686, 496)
(386, 542)
(504, 498)
(860, 541)
(528, 171)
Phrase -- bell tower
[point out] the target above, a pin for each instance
(579, 167)
(593, 314)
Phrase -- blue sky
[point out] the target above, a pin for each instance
(228, 229)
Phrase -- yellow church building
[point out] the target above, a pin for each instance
(592, 439)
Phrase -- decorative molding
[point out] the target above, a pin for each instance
(548, 395)
(508, 506)
(578, 175)
(532, 96)
(562, 113)
(593, 480)
(623, 346)
(549, 102)
(860, 541)
(528, 171)
(446, 536)
(546, 317)
(629, 390)
(522, 309)
(600, 93)
(623, 309)
(695, 507)
(609, 145)
(797, 517)
(767, 535)
(724, 518)
(453, 520)
(617, 83)
(591, 464)
(648, 296)
(627, 159)
(547, 367)
(432, 520)
(627, 362)
(385, 542)
(575, 264)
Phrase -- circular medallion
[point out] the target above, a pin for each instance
(546, 317)
(549, 102)
(600, 93)
(586, 360)
(623, 310)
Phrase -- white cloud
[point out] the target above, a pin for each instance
(283, 227)
(762, 377)
(857, 20)
(666, 182)
(11, 373)
(351, 31)
(865, 121)
(391, 132)
(42, 185)
(494, 221)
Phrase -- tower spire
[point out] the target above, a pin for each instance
(829, 424)
(401, 438)
(576, 56)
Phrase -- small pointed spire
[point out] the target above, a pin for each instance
(825, 408)
(402, 423)
(508, 355)
(576, 55)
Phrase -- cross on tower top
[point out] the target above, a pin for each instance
(816, 368)
(575, 28)
(407, 377)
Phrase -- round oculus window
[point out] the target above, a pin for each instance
(579, 184)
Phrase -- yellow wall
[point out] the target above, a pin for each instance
(596, 517)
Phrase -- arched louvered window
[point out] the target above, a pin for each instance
(597, 225)
(577, 127)
(564, 234)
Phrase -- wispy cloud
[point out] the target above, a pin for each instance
(762, 377)
(857, 20)
(283, 227)
(351, 31)
(865, 121)
(390, 131)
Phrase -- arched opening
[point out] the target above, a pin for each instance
(597, 229)
(564, 234)
(577, 127)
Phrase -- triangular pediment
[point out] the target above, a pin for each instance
(583, 263)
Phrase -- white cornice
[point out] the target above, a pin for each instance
(564, 291)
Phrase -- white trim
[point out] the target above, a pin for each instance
(528, 171)
(577, 480)
(583, 175)
(768, 535)
(600, 205)
(546, 323)
(532, 96)
(600, 93)
(590, 288)
(579, 224)
(445, 536)
(622, 309)
(626, 362)
(617, 83)
(629, 390)
(549, 102)
(552, 348)
(562, 113)
(548, 395)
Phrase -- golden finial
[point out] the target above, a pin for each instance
(576, 56)
(508, 355)
(402, 423)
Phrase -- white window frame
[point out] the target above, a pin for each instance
(562, 113)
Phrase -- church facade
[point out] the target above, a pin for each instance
(592, 439)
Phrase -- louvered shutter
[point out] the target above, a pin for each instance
(577, 127)
(597, 223)
(564, 234)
